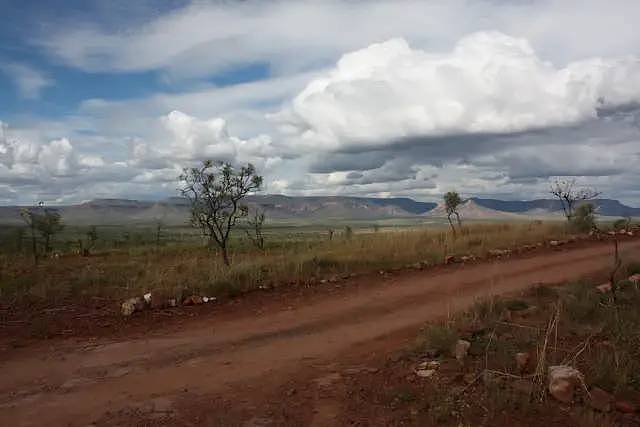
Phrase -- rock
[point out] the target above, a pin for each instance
(562, 382)
(604, 288)
(416, 266)
(621, 232)
(425, 373)
(611, 233)
(461, 350)
(522, 361)
(449, 259)
(554, 243)
(147, 298)
(193, 300)
(625, 407)
(433, 364)
(600, 400)
(635, 279)
(128, 308)
(467, 258)
(132, 305)
(630, 233)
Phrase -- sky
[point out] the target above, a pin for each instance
(491, 98)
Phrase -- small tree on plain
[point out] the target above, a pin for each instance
(215, 192)
(48, 224)
(28, 215)
(569, 196)
(348, 232)
(584, 219)
(452, 201)
(255, 229)
(159, 226)
(92, 238)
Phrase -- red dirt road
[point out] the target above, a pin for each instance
(67, 382)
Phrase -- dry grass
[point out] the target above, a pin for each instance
(178, 270)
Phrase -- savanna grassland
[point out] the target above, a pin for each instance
(175, 262)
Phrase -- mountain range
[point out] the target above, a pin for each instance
(174, 211)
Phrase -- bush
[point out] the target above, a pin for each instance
(441, 338)
(583, 219)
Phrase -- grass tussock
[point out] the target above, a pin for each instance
(183, 269)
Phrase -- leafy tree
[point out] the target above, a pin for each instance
(48, 224)
(584, 218)
(622, 223)
(569, 196)
(452, 201)
(215, 192)
(159, 226)
(28, 216)
(92, 238)
(255, 229)
(348, 232)
(44, 221)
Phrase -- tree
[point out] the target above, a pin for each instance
(159, 227)
(92, 238)
(569, 196)
(215, 192)
(584, 218)
(348, 232)
(255, 233)
(29, 217)
(45, 221)
(48, 224)
(451, 202)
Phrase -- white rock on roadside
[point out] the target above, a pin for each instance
(128, 308)
(147, 298)
(461, 350)
(425, 373)
(563, 380)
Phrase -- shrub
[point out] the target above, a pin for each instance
(441, 338)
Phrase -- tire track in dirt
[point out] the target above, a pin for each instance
(76, 387)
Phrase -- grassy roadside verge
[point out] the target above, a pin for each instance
(503, 379)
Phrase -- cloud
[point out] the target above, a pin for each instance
(29, 81)
(189, 139)
(490, 83)
(209, 36)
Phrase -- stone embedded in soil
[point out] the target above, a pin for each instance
(600, 400)
(604, 288)
(625, 406)
(461, 350)
(425, 373)
(132, 305)
(193, 300)
(128, 308)
(635, 279)
(563, 380)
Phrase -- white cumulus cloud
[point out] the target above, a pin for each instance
(489, 83)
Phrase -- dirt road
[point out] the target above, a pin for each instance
(79, 383)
